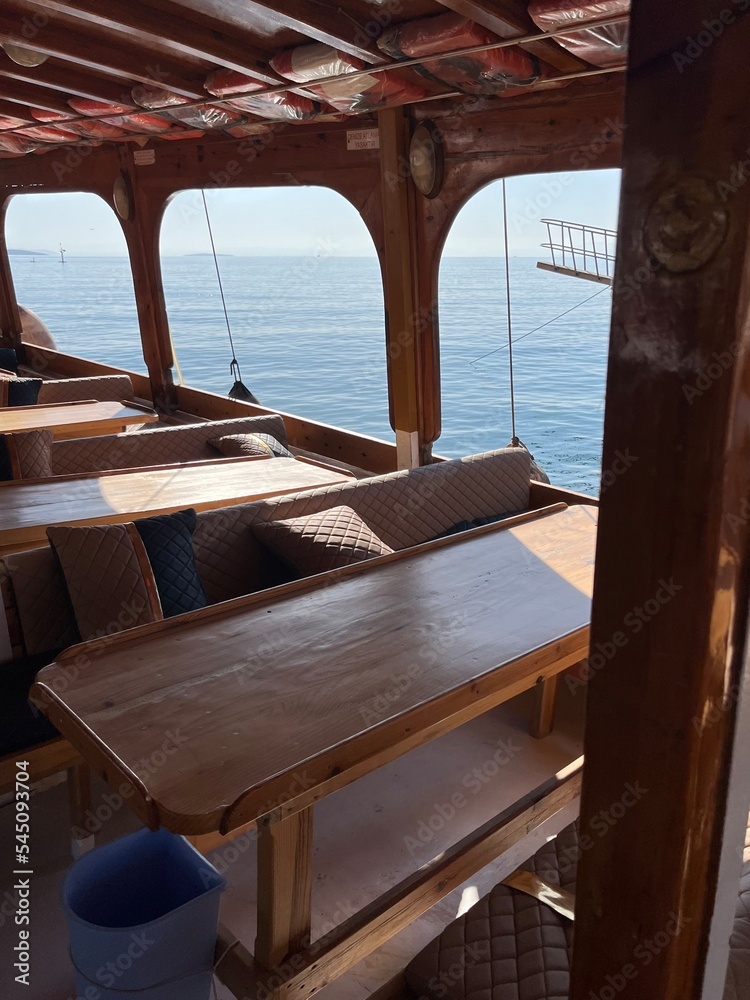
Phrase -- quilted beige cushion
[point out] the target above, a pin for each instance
(413, 506)
(41, 597)
(738, 973)
(241, 446)
(104, 573)
(33, 454)
(507, 946)
(322, 542)
(102, 387)
(160, 446)
(402, 509)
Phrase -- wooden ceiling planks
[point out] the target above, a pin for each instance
(509, 18)
(182, 31)
(28, 95)
(77, 41)
(320, 23)
(100, 50)
(61, 77)
(10, 110)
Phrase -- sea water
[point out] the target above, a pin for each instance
(309, 336)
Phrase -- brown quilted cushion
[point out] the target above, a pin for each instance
(34, 454)
(508, 946)
(241, 446)
(102, 387)
(321, 542)
(104, 573)
(153, 445)
(41, 599)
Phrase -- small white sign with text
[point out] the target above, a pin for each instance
(363, 138)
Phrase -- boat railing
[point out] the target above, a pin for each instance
(580, 251)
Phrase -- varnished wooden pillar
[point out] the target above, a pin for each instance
(667, 779)
(10, 320)
(410, 301)
(142, 234)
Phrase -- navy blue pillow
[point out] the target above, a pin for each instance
(6, 466)
(23, 391)
(168, 540)
(9, 359)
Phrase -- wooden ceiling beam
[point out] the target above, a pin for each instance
(321, 23)
(10, 110)
(509, 19)
(57, 77)
(78, 43)
(31, 96)
(181, 30)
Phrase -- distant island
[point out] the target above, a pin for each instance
(207, 255)
(29, 253)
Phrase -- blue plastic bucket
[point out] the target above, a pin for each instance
(143, 912)
(192, 988)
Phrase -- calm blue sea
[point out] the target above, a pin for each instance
(309, 337)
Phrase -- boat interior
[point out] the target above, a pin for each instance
(287, 709)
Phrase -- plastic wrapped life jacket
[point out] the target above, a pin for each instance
(206, 117)
(92, 129)
(277, 107)
(6, 123)
(606, 46)
(365, 93)
(15, 144)
(98, 109)
(250, 129)
(481, 73)
(50, 133)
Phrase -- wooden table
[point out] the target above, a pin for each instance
(28, 509)
(73, 420)
(277, 685)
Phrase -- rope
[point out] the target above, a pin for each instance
(510, 321)
(536, 329)
(234, 366)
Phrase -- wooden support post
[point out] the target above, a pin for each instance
(284, 886)
(545, 698)
(142, 234)
(411, 325)
(667, 734)
(10, 320)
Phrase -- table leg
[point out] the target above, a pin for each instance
(284, 886)
(543, 717)
(79, 795)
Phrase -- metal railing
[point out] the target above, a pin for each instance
(587, 251)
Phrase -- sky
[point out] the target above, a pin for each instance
(306, 221)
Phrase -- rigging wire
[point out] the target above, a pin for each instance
(514, 441)
(218, 278)
(238, 390)
(536, 329)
